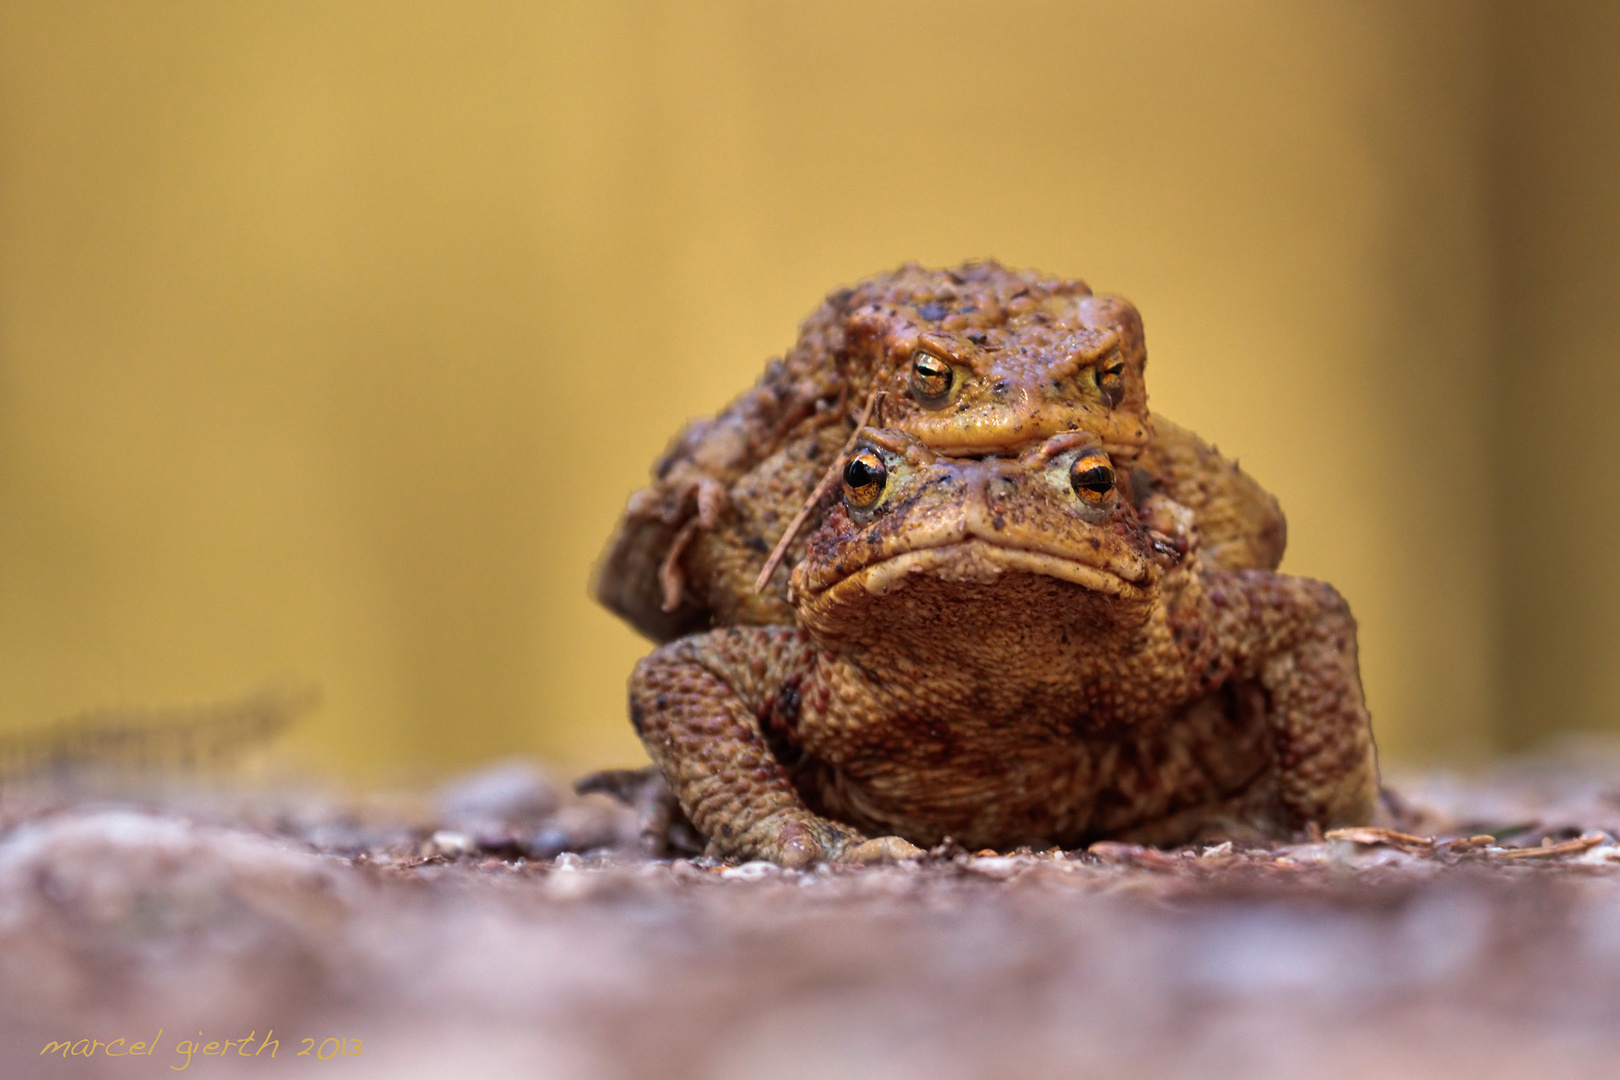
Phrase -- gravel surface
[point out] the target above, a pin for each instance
(509, 928)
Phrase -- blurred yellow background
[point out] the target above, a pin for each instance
(334, 335)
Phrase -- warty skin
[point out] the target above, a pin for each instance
(1001, 650)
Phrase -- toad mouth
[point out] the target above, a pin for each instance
(976, 560)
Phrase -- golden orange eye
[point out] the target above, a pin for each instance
(1111, 378)
(931, 378)
(864, 478)
(1092, 477)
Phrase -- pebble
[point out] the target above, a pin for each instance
(450, 844)
(1602, 855)
(751, 871)
(1000, 867)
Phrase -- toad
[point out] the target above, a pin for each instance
(1000, 650)
(973, 360)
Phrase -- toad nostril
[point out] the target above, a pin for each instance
(1000, 491)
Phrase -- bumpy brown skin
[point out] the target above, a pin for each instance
(1240, 522)
(988, 656)
(1030, 354)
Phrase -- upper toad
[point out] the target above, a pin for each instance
(977, 359)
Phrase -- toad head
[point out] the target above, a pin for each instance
(926, 544)
(983, 360)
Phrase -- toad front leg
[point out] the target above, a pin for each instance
(697, 704)
(1300, 640)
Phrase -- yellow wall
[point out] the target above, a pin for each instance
(1556, 439)
(334, 335)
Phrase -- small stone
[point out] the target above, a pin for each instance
(1600, 855)
(568, 881)
(450, 844)
(686, 870)
(512, 791)
(751, 871)
(1000, 867)
(583, 826)
(1115, 851)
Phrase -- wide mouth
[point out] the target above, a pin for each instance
(980, 561)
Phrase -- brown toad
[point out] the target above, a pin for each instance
(999, 651)
(973, 360)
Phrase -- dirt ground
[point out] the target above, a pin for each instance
(507, 928)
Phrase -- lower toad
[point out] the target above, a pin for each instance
(1008, 651)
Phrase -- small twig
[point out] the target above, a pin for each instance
(1133, 855)
(670, 579)
(1465, 844)
(1389, 837)
(828, 478)
(1551, 851)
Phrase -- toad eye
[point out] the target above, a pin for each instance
(1111, 378)
(864, 478)
(1092, 477)
(931, 378)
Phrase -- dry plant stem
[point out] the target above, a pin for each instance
(1466, 845)
(828, 479)
(1421, 845)
(1374, 835)
(1568, 847)
(670, 579)
(709, 497)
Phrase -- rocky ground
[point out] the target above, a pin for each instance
(508, 928)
